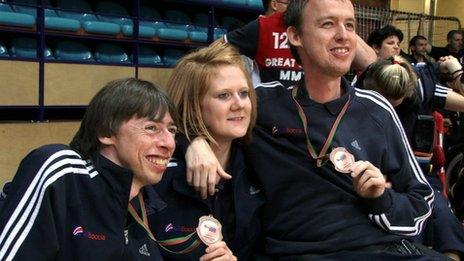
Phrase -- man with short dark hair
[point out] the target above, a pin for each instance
(82, 202)
(317, 207)
(273, 6)
(454, 47)
(265, 41)
(418, 46)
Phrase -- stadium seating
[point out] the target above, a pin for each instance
(219, 32)
(171, 56)
(240, 3)
(110, 53)
(150, 17)
(11, 18)
(183, 22)
(258, 4)
(25, 47)
(51, 19)
(148, 56)
(3, 50)
(124, 22)
(82, 11)
(72, 51)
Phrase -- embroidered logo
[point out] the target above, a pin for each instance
(168, 227)
(274, 130)
(126, 236)
(183, 229)
(355, 144)
(80, 232)
(143, 250)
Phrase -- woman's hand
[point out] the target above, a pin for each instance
(203, 169)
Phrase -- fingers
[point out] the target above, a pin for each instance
(203, 186)
(372, 181)
(358, 167)
(213, 179)
(388, 185)
(197, 179)
(218, 251)
(203, 169)
(368, 181)
(189, 176)
(223, 175)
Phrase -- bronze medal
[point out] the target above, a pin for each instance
(209, 230)
(341, 159)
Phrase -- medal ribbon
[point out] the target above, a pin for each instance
(321, 159)
(143, 221)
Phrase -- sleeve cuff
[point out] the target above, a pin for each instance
(379, 205)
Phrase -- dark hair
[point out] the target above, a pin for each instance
(294, 17)
(452, 33)
(117, 102)
(376, 37)
(416, 38)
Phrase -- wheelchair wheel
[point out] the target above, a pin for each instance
(455, 183)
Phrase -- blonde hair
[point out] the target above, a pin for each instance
(392, 77)
(189, 83)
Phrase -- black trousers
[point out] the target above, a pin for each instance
(400, 250)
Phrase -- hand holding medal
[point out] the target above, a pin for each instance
(209, 230)
(368, 181)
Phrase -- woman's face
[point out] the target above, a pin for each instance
(390, 47)
(226, 106)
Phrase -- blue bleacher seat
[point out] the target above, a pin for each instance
(110, 53)
(201, 21)
(3, 50)
(72, 51)
(11, 18)
(148, 56)
(256, 4)
(182, 21)
(52, 21)
(81, 11)
(240, 3)
(25, 47)
(219, 32)
(171, 56)
(123, 21)
(150, 17)
(198, 34)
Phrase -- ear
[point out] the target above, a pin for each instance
(107, 140)
(293, 36)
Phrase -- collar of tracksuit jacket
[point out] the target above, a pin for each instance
(118, 178)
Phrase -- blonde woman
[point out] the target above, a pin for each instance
(396, 80)
(214, 96)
